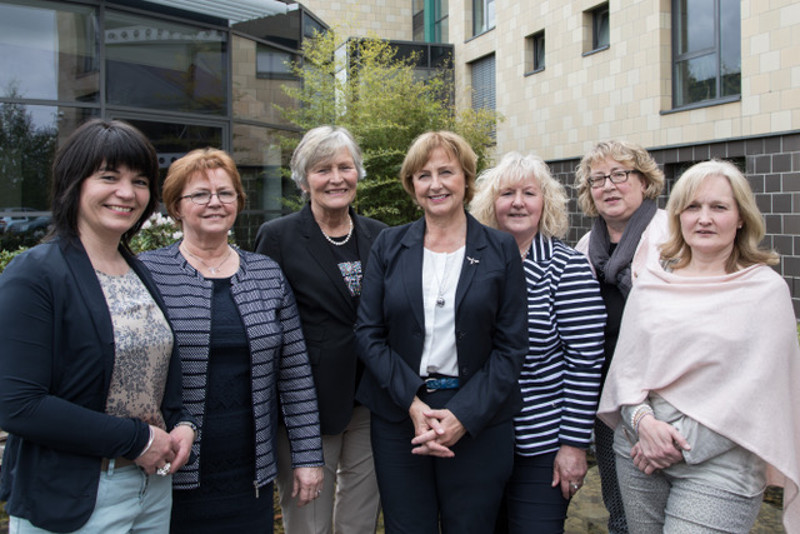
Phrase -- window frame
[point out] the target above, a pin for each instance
(680, 101)
(535, 50)
(487, 18)
(592, 26)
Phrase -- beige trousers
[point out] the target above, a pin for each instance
(349, 502)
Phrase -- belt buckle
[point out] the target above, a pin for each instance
(430, 381)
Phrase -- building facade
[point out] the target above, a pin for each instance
(688, 80)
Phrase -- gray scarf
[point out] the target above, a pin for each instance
(616, 269)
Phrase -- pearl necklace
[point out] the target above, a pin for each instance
(212, 270)
(339, 243)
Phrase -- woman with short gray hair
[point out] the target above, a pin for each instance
(323, 249)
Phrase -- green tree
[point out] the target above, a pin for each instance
(362, 85)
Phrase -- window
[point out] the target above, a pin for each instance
(441, 27)
(534, 52)
(430, 21)
(707, 54)
(483, 83)
(482, 16)
(599, 17)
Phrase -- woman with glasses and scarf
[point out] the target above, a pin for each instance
(618, 183)
(243, 355)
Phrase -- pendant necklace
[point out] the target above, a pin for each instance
(442, 283)
(212, 270)
(344, 241)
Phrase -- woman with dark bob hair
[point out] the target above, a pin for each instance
(241, 345)
(90, 383)
(703, 387)
(441, 331)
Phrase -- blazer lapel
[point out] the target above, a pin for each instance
(476, 242)
(410, 268)
(93, 297)
(542, 251)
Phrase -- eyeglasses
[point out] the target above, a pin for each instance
(201, 198)
(617, 177)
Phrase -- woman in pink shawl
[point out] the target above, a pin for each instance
(702, 389)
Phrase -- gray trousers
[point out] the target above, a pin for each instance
(659, 503)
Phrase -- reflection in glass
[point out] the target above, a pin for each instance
(695, 25)
(29, 136)
(49, 51)
(256, 92)
(259, 156)
(696, 80)
(730, 48)
(163, 65)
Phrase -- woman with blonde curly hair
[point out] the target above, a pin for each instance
(618, 182)
(560, 380)
(706, 352)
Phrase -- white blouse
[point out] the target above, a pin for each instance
(440, 274)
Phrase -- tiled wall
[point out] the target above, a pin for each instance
(772, 165)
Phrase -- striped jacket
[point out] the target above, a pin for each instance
(280, 367)
(560, 380)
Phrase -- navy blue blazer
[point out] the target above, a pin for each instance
(56, 361)
(327, 310)
(490, 326)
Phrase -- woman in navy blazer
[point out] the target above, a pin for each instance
(441, 330)
(90, 386)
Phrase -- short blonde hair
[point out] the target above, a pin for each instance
(746, 245)
(623, 152)
(515, 169)
(201, 160)
(420, 152)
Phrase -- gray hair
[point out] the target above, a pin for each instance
(513, 170)
(321, 144)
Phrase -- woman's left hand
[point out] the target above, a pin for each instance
(307, 484)
(182, 440)
(569, 469)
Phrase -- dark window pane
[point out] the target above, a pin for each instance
(49, 51)
(730, 48)
(163, 65)
(695, 25)
(29, 136)
(696, 80)
(538, 51)
(601, 38)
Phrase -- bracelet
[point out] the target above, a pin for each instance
(190, 425)
(640, 413)
(149, 441)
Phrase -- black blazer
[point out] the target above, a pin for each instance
(57, 357)
(490, 326)
(326, 308)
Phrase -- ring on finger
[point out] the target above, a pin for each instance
(164, 469)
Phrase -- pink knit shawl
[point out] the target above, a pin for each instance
(722, 350)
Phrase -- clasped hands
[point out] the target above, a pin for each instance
(172, 449)
(435, 431)
(660, 445)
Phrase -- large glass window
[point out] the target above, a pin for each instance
(29, 136)
(163, 65)
(48, 51)
(707, 51)
(482, 16)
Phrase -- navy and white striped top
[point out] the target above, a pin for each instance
(280, 366)
(560, 381)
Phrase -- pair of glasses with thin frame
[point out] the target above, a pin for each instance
(201, 198)
(617, 177)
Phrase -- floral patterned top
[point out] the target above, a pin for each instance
(143, 345)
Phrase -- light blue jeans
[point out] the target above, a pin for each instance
(128, 501)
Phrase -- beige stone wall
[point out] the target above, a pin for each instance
(389, 19)
(625, 90)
